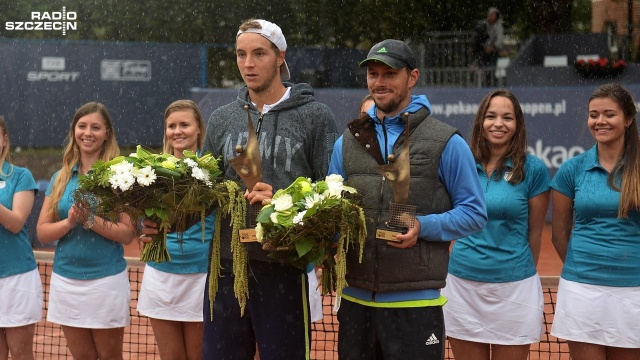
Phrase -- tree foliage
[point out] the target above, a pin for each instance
(333, 23)
(551, 16)
(352, 24)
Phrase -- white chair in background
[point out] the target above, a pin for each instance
(556, 61)
(501, 69)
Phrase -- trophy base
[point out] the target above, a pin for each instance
(248, 235)
(389, 234)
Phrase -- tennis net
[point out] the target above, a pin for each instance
(139, 342)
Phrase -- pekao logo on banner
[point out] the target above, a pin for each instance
(46, 21)
(52, 69)
(554, 156)
(125, 70)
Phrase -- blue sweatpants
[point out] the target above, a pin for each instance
(276, 316)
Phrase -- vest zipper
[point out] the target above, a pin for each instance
(375, 266)
(386, 147)
(382, 184)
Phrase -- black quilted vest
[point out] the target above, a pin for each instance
(385, 268)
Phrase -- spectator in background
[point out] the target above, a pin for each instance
(171, 292)
(89, 290)
(493, 37)
(392, 308)
(20, 285)
(295, 134)
(495, 303)
(596, 232)
(480, 36)
(488, 38)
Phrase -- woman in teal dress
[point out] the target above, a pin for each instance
(20, 285)
(89, 293)
(171, 292)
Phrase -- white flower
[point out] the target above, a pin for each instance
(113, 180)
(282, 203)
(273, 217)
(122, 181)
(334, 182)
(259, 232)
(190, 162)
(334, 178)
(335, 190)
(126, 183)
(298, 218)
(201, 174)
(123, 167)
(146, 176)
(312, 200)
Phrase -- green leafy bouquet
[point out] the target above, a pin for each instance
(301, 224)
(174, 192)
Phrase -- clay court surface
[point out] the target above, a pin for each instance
(140, 344)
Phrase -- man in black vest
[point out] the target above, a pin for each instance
(392, 308)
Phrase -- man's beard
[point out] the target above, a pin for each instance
(392, 106)
(389, 107)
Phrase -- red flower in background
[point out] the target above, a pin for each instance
(602, 67)
(619, 64)
(603, 62)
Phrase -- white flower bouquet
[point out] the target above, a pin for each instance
(307, 222)
(174, 192)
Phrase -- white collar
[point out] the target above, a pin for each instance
(266, 108)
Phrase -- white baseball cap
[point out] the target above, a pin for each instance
(273, 33)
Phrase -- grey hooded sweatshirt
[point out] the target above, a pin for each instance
(296, 138)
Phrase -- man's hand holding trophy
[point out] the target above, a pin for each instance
(248, 165)
(400, 227)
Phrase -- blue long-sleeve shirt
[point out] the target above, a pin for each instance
(457, 171)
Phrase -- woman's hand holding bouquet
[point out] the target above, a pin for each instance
(170, 191)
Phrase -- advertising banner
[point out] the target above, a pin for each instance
(556, 117)
(44, 82)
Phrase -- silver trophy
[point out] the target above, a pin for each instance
(402, 216)
(248, 165)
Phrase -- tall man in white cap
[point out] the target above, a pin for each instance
(296, 135)
(392, 308)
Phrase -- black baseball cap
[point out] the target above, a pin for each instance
(394, 53)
